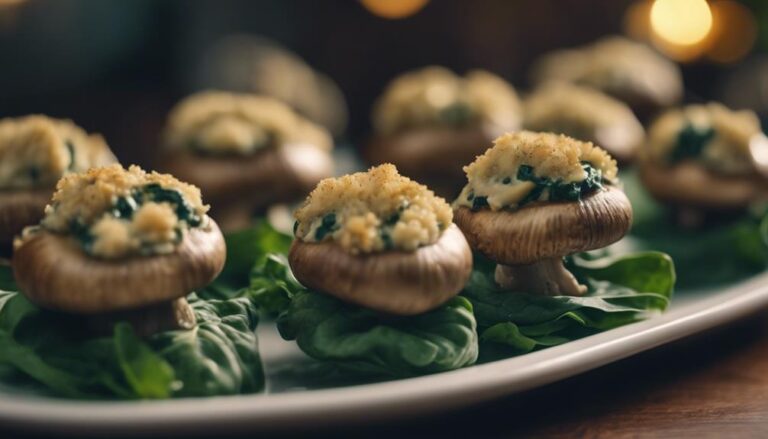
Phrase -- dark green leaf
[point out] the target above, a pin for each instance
(367, 342)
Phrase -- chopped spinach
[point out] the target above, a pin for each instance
(71, 149)
(507, 180)
(157, 193)
(457, 113)
(327, 225)
(124, 207)
(691, 142)
(479, 203)
(558, 190)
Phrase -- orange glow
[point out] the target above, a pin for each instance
(681, 22)
(734, 32)
(394, 9)
(637, 20)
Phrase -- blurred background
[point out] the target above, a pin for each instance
(116, 67)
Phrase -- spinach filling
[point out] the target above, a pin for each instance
(557, 190)
(125, 206)
(327, 225)
(691, 141)
(456, 114)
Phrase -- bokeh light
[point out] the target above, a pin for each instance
(681, 22)
(734, 32)
(394, 9)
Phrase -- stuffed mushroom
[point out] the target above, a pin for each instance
(119, 244)
(630, 71)
(381, 241)
(705, 159)
(245, 152)
(534, 198)
(430, 122)
(585, 113)
(35, 151)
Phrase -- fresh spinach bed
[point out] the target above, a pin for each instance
(220, 356)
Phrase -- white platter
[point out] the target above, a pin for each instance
(285, 407)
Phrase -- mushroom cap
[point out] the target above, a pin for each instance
(690, 184)
(396, 282)
(433, 153)
(53, 271)
(268, 176)
(21, 208)
(545, 230)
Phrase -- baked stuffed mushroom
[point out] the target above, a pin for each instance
(587, 114)
(383, 265)
(35, 151)
(430, 122)
(381, 241)
(534, 198)
(705, 158)
(119, 244)
(245, 152)
(630, 71)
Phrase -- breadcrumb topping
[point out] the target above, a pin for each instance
(436, 96)
(725, 150)
(116, 212)
(373, 211)
(36, 151)
(616, 65)
(215, 122)
(579, 112)
(495, 176)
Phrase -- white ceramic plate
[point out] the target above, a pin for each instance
(285, 405)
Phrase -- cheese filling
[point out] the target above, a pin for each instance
(435, 96)
(712, 135)
(36, 151)
(221, 123)
(113, 212)
(373, 211)
(525, 167)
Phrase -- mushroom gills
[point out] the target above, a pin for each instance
(547, 277)
(147, 320)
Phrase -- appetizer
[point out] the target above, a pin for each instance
(630, 71)
(705, 158)
(105, 307)
(121, 241)
(383, 263)
(430, 122)
(35, 151)
(534, 198)
(532, 202)
(585, 113)
(245, 152)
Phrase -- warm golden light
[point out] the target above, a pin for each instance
(681, 22)
(394, 9)
(734, 32)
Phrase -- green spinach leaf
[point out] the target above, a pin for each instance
(55, 350)
(367, 342)
(622, 290)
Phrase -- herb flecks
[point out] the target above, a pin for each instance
(327, 226)
(691, 141)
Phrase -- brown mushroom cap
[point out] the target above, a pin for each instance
(53, 271)
(690, 184)
(268, 176)
(433, 155)
(19, 209)
(397, 282)
(545, 230)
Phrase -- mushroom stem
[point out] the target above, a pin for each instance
(547, 277)
(147, 320)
